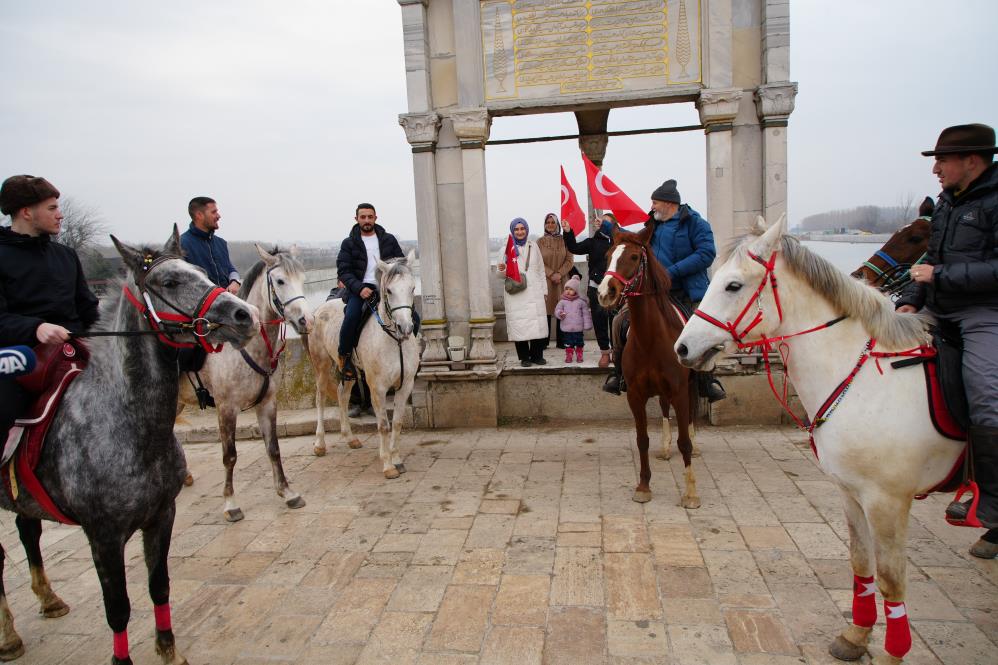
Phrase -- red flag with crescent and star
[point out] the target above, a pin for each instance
(607, 196)
(570, 209)
(512, 265)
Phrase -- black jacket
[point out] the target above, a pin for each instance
(596, 246)
(41, 281)
(351, 263)
(963, 247)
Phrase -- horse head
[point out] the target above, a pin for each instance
(737, 302)
(397, 286)
(169, 289)
(625, 259)
(890, 263)
(285, 286)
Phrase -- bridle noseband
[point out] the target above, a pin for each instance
(732, 327)
(275, 300)
(632, 286)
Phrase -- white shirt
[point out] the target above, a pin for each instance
(373, 256)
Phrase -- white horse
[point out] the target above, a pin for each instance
(878, 443)
(387, 351)
(250, 378)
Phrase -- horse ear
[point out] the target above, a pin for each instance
(382, 267)
(172, 245)
(759, 227)
(769, 242)
(645, 234)
(294, 251)
(410, 258)
(130, 255)
(267, 257)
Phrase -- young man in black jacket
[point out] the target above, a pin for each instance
(355, 268)
(43, 294)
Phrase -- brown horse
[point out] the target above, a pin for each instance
(887, 269)
(650, 365)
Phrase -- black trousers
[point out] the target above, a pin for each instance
(559, 336)
(13, 402)
(601, 320)
(530, 350)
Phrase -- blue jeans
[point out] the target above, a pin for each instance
(350, 330)
(574, 340)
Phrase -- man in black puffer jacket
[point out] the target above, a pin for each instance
(355, 268)
(595, 247)
(958, 283)
(43, 294)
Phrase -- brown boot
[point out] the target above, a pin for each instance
(188, 479)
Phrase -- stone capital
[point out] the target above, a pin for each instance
(718, 107)
(775, 101)
(414, 2)
(420, 130)
(471, 126)
(594, 145)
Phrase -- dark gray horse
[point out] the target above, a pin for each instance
(110, 461)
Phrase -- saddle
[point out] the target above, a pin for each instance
(58, 365)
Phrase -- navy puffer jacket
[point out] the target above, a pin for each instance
(208, 251)
(351, 262)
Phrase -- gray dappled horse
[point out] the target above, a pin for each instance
(110, 460)
(388, 354)
(275, 286)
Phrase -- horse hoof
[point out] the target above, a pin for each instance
(319, 451)
(400, 467)
(296, 502)
(392, 473)
(12, 650)
(234, 515)
(843, 649)
(355, 444)
(663, 456)
(641, 496)
(188, 480)
(55, 609)
(690, 502)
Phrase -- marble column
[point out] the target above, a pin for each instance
(421, 132)
(774, 104)
(593, 140)
(472, 129)
(718, 108)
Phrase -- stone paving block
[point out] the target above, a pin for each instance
(462, 619)
(575, 636)
(285, 572)
(537, 518)
(927, 602)
(752, 511)
(530, 555)
(522, 600)
(784, 567)
(817, 541)
(768, 538)
(356, 612)
(758, 631)
(636, 639)
(692, 612)
(578, 577)
(282, 636)
(385, 564)
(717, 533)
(440, 547)
(513, 645)
(580, 539)
(420, 589)
(701, 645)
(622, 533)
(328, 654)
(685, 582)
(579, 527)
(243, 568)
(334, 570)
(500, 506)
(631, 587)
(833, 573)
(674, 545)
(481, 566)
(792, 507)
(966, 588)
(492, 531)
(734, 574)
(397, 639)
(399, 542)
(809, 612)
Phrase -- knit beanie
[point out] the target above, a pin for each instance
(573, 283)
(667, 192)
(21, 191)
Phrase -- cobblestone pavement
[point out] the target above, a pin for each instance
(514, 545)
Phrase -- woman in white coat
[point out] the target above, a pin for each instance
(526, 313)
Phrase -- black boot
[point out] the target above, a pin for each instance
(708, 386)
(984, 448)
(615, 383)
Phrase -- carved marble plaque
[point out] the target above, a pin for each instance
(553, 49)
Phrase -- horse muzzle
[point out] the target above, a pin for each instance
(238, 321)
(703, 362)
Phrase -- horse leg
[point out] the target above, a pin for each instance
(384, 430)
(888, 519)
(636, 400)
(30, 531)
(156, 545)
(666, 452)
(109, 560)
(188, 478)
(266, 417)
(11, 646)
(343, 395)
(851, 643)
(681, 406)
(319, 447)
(227, 433)
(401, 397)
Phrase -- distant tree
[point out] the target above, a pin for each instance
(83, 229)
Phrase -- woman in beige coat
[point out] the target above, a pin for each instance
(557, 263)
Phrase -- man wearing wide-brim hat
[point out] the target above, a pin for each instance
(958, 283)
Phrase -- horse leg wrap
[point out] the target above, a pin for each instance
(864, 601)
(898, 640)
(162, 614)
(121, 645)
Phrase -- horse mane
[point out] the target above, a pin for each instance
(396, 267)
(284, 259)
(848, 296)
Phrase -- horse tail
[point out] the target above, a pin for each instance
(693, 389)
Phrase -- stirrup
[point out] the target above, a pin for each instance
(955, 511)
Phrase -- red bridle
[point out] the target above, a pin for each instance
(732, 328)
(633, 284)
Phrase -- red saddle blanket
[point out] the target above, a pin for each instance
(58, 365)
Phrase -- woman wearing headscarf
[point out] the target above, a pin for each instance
(557, 263)
(526, 313)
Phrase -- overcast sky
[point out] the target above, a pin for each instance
(286, 113)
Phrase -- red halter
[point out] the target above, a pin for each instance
(732, 328)
(633, 285)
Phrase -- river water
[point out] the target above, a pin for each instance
(846, 256)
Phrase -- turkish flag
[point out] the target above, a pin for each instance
(512, 265)
(607, 196)
(570, 209)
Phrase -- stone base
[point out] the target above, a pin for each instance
(456, 402)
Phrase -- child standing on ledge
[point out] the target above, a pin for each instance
(573, 312)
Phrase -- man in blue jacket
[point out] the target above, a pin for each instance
(683, 243)
(204, 248)
(356, 265)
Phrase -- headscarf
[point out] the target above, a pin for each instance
(557, 225)
(517, 244)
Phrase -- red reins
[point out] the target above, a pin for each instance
(198, 324)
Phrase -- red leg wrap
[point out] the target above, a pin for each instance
(898, 640)
(121, 645)
(162, 614)
(864, 601)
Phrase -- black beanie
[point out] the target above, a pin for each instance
(21, 191)
(667, 192)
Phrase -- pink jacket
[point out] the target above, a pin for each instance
(574, 314)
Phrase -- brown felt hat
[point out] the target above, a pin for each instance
(964, 139)
(21, 191)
